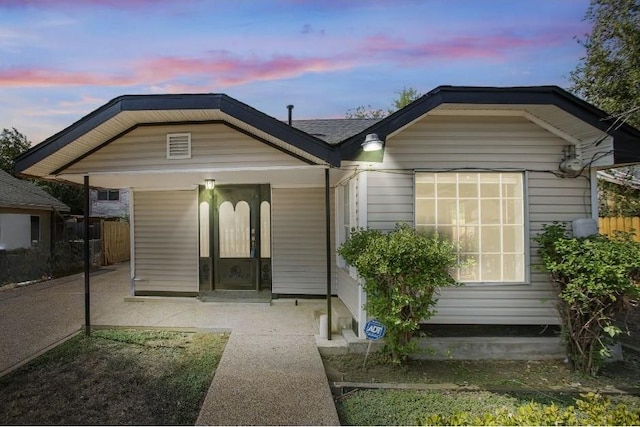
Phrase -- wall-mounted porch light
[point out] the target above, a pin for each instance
(372, 143)
(209, 184)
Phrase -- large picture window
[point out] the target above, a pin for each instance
(484, 213)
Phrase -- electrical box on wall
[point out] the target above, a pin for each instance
(585, 227)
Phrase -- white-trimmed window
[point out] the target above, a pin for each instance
(346, 216)
(484, 213)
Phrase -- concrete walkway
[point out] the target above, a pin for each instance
(270, 373)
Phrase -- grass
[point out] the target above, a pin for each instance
(500, 383)
(115, 377)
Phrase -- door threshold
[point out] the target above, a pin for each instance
(239, 296)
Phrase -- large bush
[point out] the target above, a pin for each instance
(402, 270)
(595, 277)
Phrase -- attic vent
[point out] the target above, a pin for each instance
(178, 146)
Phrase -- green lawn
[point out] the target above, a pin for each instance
(115, 377)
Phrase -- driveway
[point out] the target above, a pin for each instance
(37, 316)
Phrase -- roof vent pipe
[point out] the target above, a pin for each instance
(290, 108)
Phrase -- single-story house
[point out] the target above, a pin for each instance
(27, 213)
(225, 197)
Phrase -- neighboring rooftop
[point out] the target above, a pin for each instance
(333, 131)
(20, 194)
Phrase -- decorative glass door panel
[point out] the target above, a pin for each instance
(240, 257)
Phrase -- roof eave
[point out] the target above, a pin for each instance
(625, 137)
(227, 105)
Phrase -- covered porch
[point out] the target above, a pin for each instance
(223, 197)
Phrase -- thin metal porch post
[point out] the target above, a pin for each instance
(327, 210)
(87, 264)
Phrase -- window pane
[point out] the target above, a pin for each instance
(469, 239)
(425, 211)
(265, 230)
(234, 228)
(446, 187)
(204, 229)
(446, 232)
(490, 211)
(490, 240)
(491, 267)
(427, 229)
(512, 211)
(512, 185)
(426, 187)
(345, 204)
(469, 268)
(489, 185)
(35, 229)
(512, 239)
(513, 268)
(114, 195)
(469, 210)
(468, 185)
(447, 211)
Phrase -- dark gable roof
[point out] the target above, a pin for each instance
(16, 193)
(626, 138)
(333, 130)
(240, 111)
(333, 140)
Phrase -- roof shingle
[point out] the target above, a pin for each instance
(16, 193)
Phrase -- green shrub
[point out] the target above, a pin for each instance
(401, 270)
(595, 277)
(592, 409)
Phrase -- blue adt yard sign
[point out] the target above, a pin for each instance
(374, 330)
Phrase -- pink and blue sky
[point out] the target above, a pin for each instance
(61, 59)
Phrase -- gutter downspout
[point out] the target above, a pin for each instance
(87, 265)
(328, 230)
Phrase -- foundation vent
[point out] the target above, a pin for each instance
(178, 146)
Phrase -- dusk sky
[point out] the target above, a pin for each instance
(61, 59)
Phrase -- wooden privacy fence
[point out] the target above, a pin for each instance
(610, 225)
(116, 245)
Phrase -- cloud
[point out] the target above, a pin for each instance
(490, 47)
(47, 77)
(58, 4)
(219, 68)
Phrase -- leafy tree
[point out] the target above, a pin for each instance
(404, 97)
(70, 195)
(402, 272)
(12, 144)
(609, 74)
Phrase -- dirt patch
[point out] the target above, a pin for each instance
(114, 378)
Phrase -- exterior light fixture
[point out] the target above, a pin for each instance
(209, 184)
(372, 143)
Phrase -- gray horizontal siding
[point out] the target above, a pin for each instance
(298, 241)
(450, 143)
(212, 146)
(166, 237)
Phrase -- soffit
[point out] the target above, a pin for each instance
(126, 120)
(550, 114)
